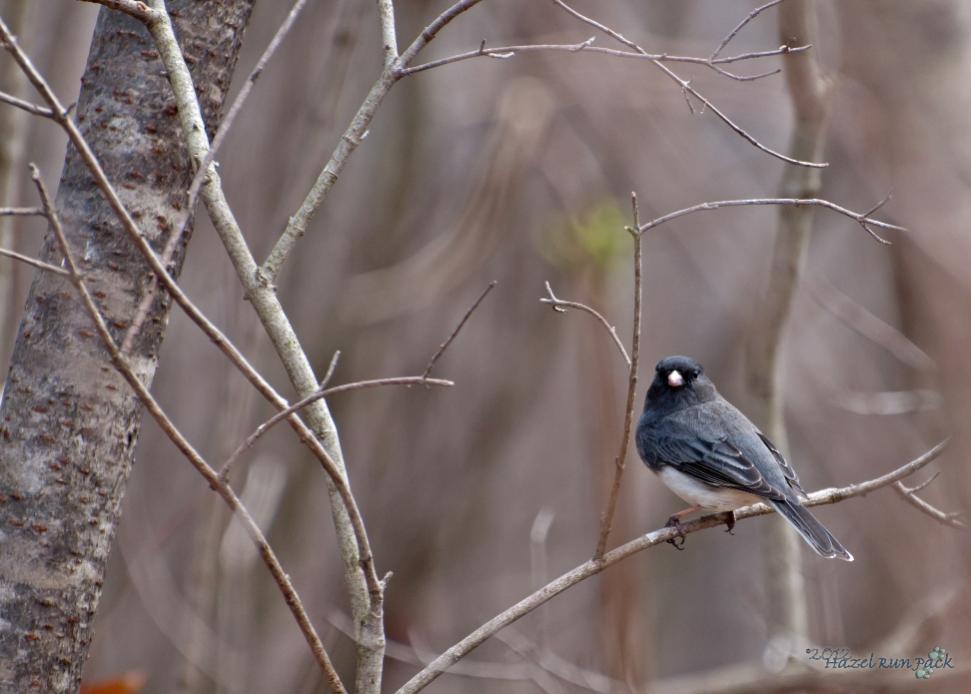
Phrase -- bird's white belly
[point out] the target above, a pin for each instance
(697, 493)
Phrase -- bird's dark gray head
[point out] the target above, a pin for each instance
(679, 382)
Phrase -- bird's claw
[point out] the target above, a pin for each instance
(676, 542)
(729, 518)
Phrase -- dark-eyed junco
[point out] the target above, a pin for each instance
(713, 457)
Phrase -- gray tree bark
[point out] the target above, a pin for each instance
(809, 91)
(68, 422)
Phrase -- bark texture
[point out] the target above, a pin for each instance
(68, 422)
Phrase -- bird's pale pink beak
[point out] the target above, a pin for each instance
(675, 379)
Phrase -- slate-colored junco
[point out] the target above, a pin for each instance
(713, 457)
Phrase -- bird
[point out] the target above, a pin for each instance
(712, 456)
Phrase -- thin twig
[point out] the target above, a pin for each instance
(713, 58)
(686, 86)
(34, 262)
(331, 368)
(560, 306)
(748, 18)
(198, 462)
(909, 494)
(323, 393)
(27, 106)
(448, 341)
(593, 567)
(860, 219)
(505, 52)
(620, 462)
(21, 212)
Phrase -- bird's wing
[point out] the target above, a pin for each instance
(716, 447)
(791, 477)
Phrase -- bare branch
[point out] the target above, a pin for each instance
(101, 180)
(595, 566)
(363, 558)
(175, 239)
(238, 102)
(560, 306)
(389, 37)
(323, 393)
(27, 106)
(686, 86)
(909, 494)
(358, 563)
(133, 8)
(620, 462)
(861, 219)
(431, 31)
(331, 368)
(734, 32)
(503, 52)
(34, 262)
(198, 462)
(350, 140)
(448, 341)
(21, 212)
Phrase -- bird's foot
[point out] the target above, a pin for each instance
(729, 518)
(676, 542)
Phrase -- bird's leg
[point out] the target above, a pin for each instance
(675, 522)
(729, 518)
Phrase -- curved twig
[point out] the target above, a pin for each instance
(860, 218)
(561, 306)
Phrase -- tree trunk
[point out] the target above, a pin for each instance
(68, 422)
(809, 91)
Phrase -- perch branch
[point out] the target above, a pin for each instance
(593, 566)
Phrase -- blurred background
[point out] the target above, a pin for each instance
(520, 171)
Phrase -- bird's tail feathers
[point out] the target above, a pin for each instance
(813, 532)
